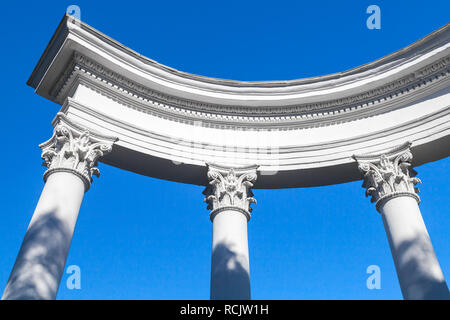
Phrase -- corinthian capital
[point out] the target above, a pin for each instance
(389, 174)
(73, 149)
(230, 189)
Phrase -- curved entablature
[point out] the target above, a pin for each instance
(299, 132)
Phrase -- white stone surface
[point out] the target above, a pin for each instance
(392, 186)
(301, 132)
(418, 269)
(230, 270)
(229, 197)
(70, 155)
(40, 263)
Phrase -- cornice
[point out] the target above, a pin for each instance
(382, 99)
(85, 31)
(293, 99)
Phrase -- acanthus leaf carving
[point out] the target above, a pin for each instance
(389, 174)
(230, 188)
(73, 150)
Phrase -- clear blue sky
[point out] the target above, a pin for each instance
(143, 238)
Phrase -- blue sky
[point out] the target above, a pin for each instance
(143, 238)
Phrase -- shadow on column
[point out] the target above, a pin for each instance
(229, 279)
(417, 279)
(40, 262)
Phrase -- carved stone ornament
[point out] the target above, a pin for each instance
(285, 117)
(230, 189)
(73, 149)
(389, 175)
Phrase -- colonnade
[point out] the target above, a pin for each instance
(71, 156)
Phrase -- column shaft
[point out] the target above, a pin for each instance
(418, 270)
(230, 271)
(40, 263)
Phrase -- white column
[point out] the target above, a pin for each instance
(229, 197)
(70, 156)
(391, 184)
